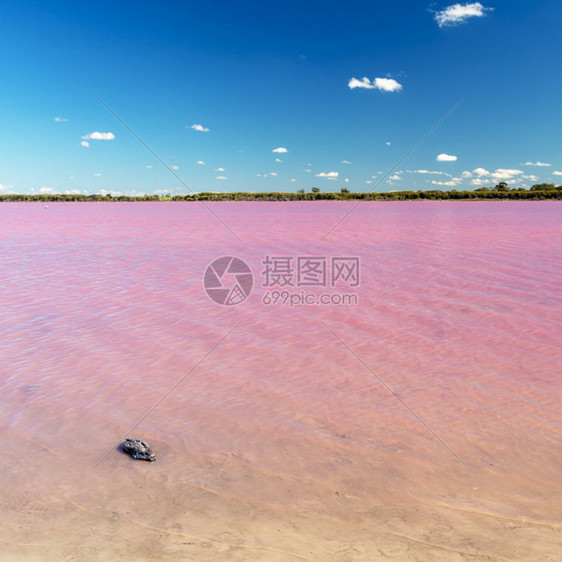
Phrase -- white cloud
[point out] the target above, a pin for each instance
(278, 160)
(450, 183)
(346, 180)
(293, 180)
(459, 13)
(539, 164)
(221, 178)
(383, 84)
(388, 143)
(174, 167)
(481, 172)
(328, 175)
(345, 162)
(46, 190)
(531, 177)
(219, 170)
(96, 135)
(60, 119)
(425, 172)
(280, 150)
(273, 174)
(395, 177)
(308, 171)
(480, 181)
(97, 174)
(85, 144)
(466, 174)
(505, 174)
(556, 173)
(148, 166)
(201, 163)
(199, 128)
(446, 158)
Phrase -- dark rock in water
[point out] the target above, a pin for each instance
(138, 449)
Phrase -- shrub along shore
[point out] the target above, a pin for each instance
(501, 191)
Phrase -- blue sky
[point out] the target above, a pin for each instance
(259, 76)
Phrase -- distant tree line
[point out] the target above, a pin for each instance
(501, 191)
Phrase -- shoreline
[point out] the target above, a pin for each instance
(533, 194)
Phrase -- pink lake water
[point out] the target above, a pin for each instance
(422, 423)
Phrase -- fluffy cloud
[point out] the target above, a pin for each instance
(199, 128)
(280, 150)
(46, 190)
(149, 166)
(85, 144)
(201, 163)
(383, 84)
(395, 177)
(174, 167)
(531, 177)
(479, 182)
(505, 174)
(450, 183)
(481, 172)
(459, 13)
(96, 135)
(345, 162)
(221, 178)
(273, 174)
(328, 175)
(219, 170)
(556, 173)
(539, 164)
(278, 160)
(388, 143)
(60, 119)
(424, 172)
(446, 158)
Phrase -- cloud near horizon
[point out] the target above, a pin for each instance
(460, 13)
(446, 158)
(539, 164)
(481, 172)
(505, 174)
(328, 175)
(96, 135)
(382, 84)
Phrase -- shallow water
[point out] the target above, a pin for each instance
(422, 423)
